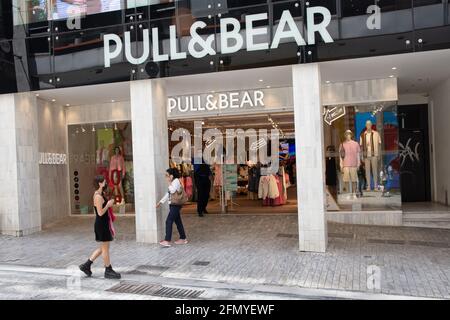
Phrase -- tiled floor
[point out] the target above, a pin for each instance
(258, 249)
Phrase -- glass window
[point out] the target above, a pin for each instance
(101, 149)
(362, 158)
(352, 8)
(394, 5)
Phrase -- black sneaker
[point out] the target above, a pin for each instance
(201, 215)
(86, 268)
(111, 274)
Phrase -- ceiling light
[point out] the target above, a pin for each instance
(328, 81)
(394, 68)
(261, 80)
(268, 87)
(113, 100)
(67, 105)
(37, 94)
(53, 100)
(391, 76)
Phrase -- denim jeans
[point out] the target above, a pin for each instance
(174, 216)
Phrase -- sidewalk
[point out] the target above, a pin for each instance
(260, 250)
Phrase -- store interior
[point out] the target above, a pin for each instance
(244, 195)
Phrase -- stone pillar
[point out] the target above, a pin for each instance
(20, 212)
(150, 156)
(310, 158)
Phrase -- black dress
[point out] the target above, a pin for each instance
(101, 226)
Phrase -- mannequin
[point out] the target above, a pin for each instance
(117, 174)
(370, 143)
(349, 155)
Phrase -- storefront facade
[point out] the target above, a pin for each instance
(54, 148)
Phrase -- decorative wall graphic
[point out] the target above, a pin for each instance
(406, 152)
(333, 114)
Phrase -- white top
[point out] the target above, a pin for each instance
(174, 187)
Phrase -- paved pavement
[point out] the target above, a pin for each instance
(257, 250)
(35, 283)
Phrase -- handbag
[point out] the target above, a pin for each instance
(178, 198)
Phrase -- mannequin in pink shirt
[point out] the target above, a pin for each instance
(117, 173)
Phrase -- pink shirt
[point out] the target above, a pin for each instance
(117, 163)
(352, 150)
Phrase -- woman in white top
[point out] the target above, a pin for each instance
(172, 176)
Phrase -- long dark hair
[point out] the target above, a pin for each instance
(97, 180)
(173, 172)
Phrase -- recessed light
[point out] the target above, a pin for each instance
(391, 76)
(328, 81)
(268, 87)
(37, 94)
(261, 80)
(394, 68)
(53, 100)
(68, 105)
(113, 101)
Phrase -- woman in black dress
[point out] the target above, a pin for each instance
(103, 232)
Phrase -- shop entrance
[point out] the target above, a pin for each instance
(414, 153)
(244, 187)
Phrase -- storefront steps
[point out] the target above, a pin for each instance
(427, 220)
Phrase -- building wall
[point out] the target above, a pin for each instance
(27, 163)
(440, 105)
(104, 112)
(9, 208)
(53, 178)
(19, 181)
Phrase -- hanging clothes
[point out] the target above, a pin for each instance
(281, 199)
(218, 177)
(268, 187)
(188, 186)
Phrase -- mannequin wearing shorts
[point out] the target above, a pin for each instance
(349, 160)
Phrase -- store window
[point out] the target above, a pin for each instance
(362, 157)
(101, 149)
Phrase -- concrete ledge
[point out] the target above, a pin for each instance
(379, 218)
(20, 233)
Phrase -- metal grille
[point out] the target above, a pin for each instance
(287, 235)
(201, 263)
(341, 235)
(411, 242)
(155, 290)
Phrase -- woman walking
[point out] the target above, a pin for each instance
(172, 177)
(103, 230)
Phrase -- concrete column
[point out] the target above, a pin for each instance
(310, 158)
(20, 212)
(150, 156)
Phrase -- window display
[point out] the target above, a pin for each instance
(362, 159)
(101, 149)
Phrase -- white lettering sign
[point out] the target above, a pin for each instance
(201, 46)
(213, 102)
(52, 158)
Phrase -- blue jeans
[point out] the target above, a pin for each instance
(174, 216)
